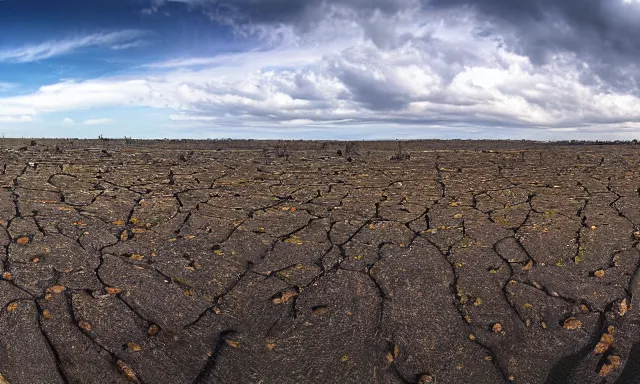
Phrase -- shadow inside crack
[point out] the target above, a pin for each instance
(631, 372)
(563, 370)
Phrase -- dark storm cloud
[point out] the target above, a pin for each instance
(303, 14)
(603, 33)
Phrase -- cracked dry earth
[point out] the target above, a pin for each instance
(149, 265)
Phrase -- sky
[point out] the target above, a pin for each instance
(321, 69)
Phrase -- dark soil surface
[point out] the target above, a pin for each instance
(214, 262)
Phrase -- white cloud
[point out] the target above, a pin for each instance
(68, 120)
(30, 53)
(102, 121)
(428, 70)
(132, 44)
(6, 86)
(184, 117)
(15, 119)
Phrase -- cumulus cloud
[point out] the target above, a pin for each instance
(101, 121)
(463, 64)
(68, 120)
(48, 49)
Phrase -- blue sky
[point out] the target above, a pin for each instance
(333, 69)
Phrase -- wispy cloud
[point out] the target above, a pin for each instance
(6, 86)
(48, 49)
(68, 120)
(97, 121)
(129, 45)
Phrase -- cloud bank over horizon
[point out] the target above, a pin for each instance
(323, 69)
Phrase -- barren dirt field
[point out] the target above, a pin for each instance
(214, 262)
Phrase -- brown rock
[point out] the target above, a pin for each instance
(286, 296)
(127, 371)
(85, 325)
(232, 343)
(425, 379)
(56, 289)
(572, 323)
(113, 291)
(623, 307)
(24, 240)
(613, 363)
(153, 329)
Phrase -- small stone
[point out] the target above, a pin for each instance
(319, 311)
(616, 260)
(497, 328)
(424, 379)
(593, 227)
(24, 240)
(85, 325)
(389, 357)
(286, 296)
(599, 274)
(606, 342)
(47, 314)
(572, 323)
(7, 276)
(232, 343)
(57, 289)
(477, 302)
(344, 358)
(488, 358)
(613, 363)
(472, 337)
(12, 307)
(623, 307)
(127, 371)
(113, 291)
(271, 346)
(153, 329)
(137, 257)
(133, 347)
(636, 235)
(396, 351)
(528, 266)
